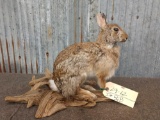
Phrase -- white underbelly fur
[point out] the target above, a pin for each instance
(111, 73)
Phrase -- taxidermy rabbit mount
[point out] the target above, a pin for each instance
(101, 58)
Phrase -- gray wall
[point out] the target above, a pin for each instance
(33, 32)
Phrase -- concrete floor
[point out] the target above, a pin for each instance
(147, 106)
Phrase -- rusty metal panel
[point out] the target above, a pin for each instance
(33, 32)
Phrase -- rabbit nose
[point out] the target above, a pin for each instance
(124, 40)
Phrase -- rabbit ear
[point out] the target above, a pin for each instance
(101, 20)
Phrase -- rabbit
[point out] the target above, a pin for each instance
(100, 58)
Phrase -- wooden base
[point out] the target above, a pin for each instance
(50, 102)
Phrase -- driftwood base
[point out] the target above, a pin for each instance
(50, 102)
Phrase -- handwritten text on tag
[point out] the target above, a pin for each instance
(120, 94)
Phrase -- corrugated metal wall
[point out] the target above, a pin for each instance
(33, 32)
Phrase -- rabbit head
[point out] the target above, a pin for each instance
(110, 33)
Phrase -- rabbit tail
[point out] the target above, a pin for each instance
(53, 86)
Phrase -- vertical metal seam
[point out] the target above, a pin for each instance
(81, 22)
(75, 35)
(9, 63)
(4, 68)
(15, 66)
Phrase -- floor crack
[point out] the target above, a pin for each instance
(14, 112)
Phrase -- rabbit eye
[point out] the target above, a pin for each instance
(116, 29)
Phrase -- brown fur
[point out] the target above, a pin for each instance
(101, 58)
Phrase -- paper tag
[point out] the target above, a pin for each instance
(120, 94)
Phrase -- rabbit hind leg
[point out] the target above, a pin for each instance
(88, 87)
(86, 95)
(72, 84)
